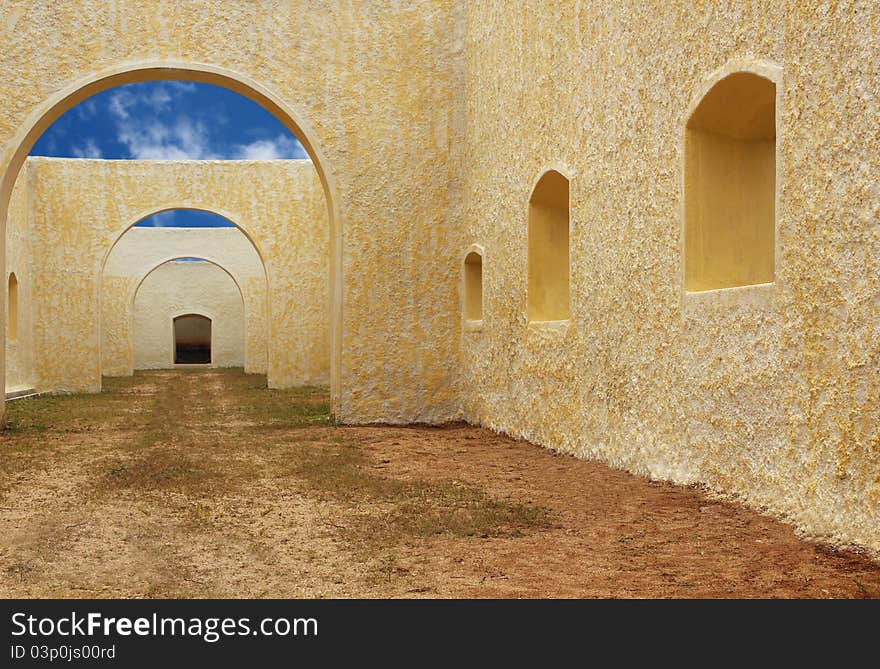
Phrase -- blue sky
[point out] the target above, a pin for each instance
(169, 120)
(185, 218)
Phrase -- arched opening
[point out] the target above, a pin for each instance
(144, 246)
(12, 308)
(473, 286)
(730, 185)
(192, 340)
(183, 287)
(548, 290)
(69, 96)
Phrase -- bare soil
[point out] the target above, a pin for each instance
(207, 484)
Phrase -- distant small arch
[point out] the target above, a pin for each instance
(12, 307)
(193, 309)
(207, 209)
(549, 267)
(173, 258)
(132, 223)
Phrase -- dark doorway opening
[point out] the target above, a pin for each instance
(192, 340)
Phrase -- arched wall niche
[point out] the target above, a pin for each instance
(473, 285)
(549, 265)
(730, 179)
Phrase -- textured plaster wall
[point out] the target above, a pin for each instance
(771, 393)
(19, 352)
(177, 288)
(434, 120)
(371, 83)
(79, 208)
(140, 250)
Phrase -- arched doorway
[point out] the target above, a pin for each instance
(192, 340)
(185, 287)
(69, 96)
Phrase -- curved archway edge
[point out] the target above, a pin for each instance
(69, 96)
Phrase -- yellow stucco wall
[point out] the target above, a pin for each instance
(770, 393)
(370, 88)
(117, 354)
(79, 208)
(19, 351)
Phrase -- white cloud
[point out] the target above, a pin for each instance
(89, 150)
(158, 99)
(123, 102)
(181, 86)
(184, 140)
(164, 219)
(119, 103)
(270, 149)
(87, 109)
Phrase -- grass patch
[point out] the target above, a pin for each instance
(398, 509)
(268, 408)
(460, 510)
(158, 469)
(73, 412)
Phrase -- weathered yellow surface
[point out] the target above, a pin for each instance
(81, 212)
(430, 122)
(770, 393)
(115, 327)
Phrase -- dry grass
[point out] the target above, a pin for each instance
(340, 470)
(188, 445)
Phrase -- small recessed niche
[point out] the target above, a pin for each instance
(12, 308)
(473, 286)
(730, 185)
(548, 289)
(192, 340)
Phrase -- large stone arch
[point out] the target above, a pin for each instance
(372, 91)
(74, 92)
(200, 307)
